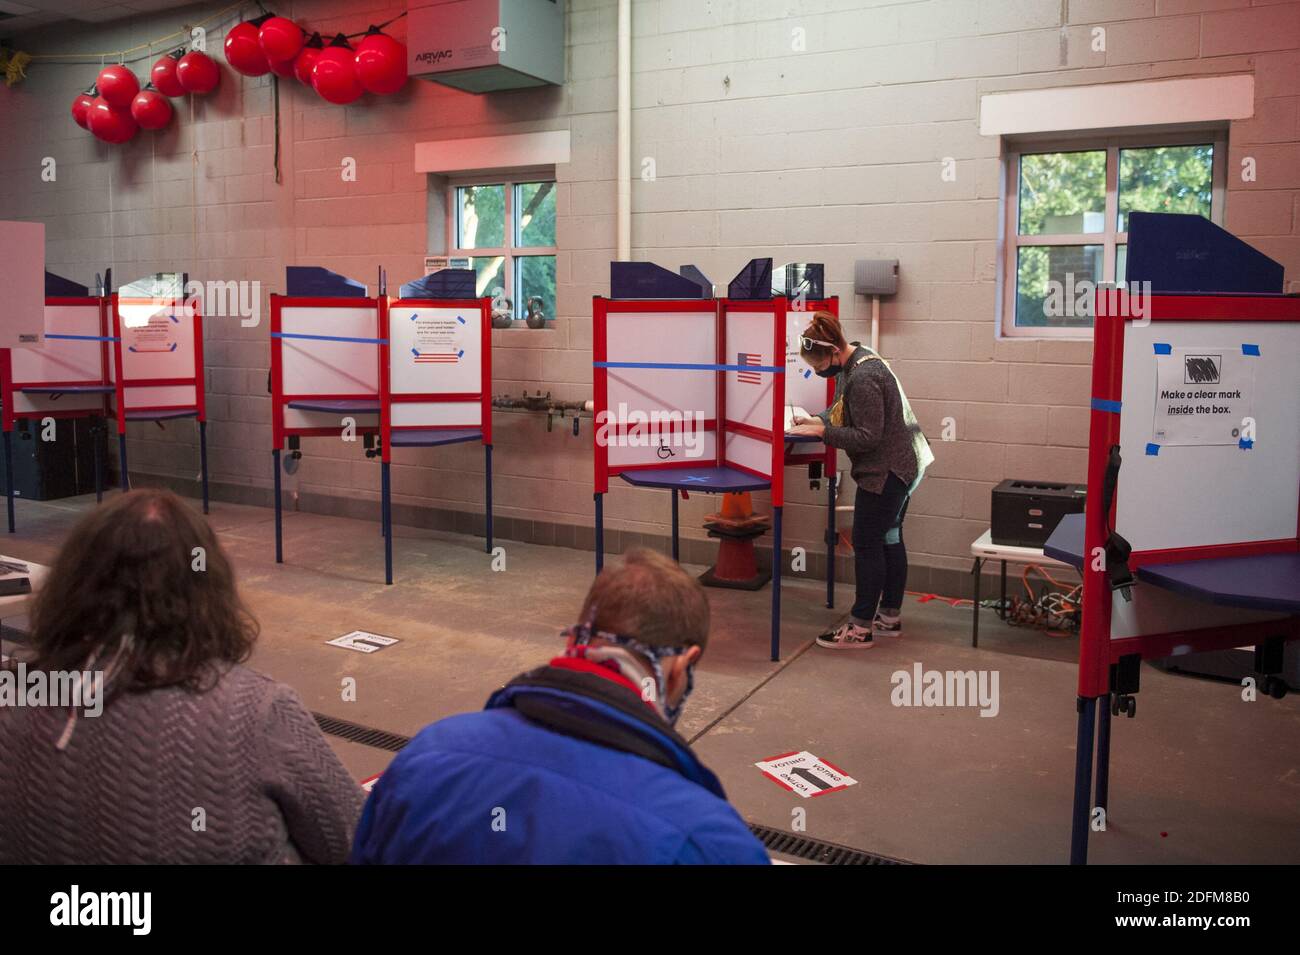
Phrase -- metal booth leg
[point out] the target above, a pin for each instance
(776, 583)
(830, 542)
(121, 457)
(600, 532)
(9, 477)
(1103, 752)
(676, 555)
(487, 466)
(386, 516)
(1002, 604)
(279, 547)
(1083, 780)
(203, 461)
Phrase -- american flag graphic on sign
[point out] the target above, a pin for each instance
(426, 357)
(749, 377)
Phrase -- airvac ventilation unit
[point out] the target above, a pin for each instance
(482, 46)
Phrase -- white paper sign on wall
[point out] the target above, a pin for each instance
(22, 277)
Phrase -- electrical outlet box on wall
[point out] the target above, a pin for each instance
(482, 46)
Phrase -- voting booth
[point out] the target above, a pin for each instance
(414, 371)
(690, 396)
(62, 372)
(1191, 536)
(156, 332)
(125, 357)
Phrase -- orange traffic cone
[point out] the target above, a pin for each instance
(736, 526)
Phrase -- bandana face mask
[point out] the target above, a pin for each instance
(620, 650)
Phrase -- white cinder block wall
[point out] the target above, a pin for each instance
(830, 154)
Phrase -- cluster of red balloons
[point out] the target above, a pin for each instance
(337, 72)
(115, 108)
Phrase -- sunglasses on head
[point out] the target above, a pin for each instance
(807, 343)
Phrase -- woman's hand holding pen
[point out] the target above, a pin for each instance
(813, 427)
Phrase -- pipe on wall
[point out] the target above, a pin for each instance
(623, 217)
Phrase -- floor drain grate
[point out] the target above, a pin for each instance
(365, 735)
(814, 850)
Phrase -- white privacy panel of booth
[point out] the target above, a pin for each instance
(1210, 433)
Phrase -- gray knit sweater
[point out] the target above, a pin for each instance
(876, 434)
(127, 786)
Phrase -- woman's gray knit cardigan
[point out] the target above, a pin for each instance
(238, 774)
(875, 434)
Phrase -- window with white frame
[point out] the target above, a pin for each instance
(506, 229)
(1067, 208)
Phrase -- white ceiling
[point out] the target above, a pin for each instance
(17, 16)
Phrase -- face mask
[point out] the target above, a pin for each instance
(581, 636)
(830, 371)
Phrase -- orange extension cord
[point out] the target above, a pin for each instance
(1054, 611)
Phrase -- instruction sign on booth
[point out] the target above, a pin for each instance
(1204, 395)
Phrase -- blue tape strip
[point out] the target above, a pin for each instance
(1153, 449)
(331, 338)
(1163, 349)
(1105, 404)
(1250, 350)
(683, 366)
(85, 338)
(460, 319)
(1245, 444)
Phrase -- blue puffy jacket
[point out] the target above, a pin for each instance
(561, 767)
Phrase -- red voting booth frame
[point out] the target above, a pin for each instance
(381, 401)
(125, 411)
(107, 391)
(1099, 654)
(720, 473)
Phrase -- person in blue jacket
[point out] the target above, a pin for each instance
(576, 761)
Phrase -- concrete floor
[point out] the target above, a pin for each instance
(1199, 776)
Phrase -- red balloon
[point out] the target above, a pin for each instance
(243, 52)
(334, 76)
(81, 109)
(197, 73)
(163, 77)
(118, 86)
(381, 64)
(109, 124)
(282, 67)
(304, 62)
(151, 110)
(280, 39)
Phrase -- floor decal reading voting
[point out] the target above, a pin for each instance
(645, 433)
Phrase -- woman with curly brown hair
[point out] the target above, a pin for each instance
(192, 757)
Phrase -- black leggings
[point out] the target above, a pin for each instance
(879, 556)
